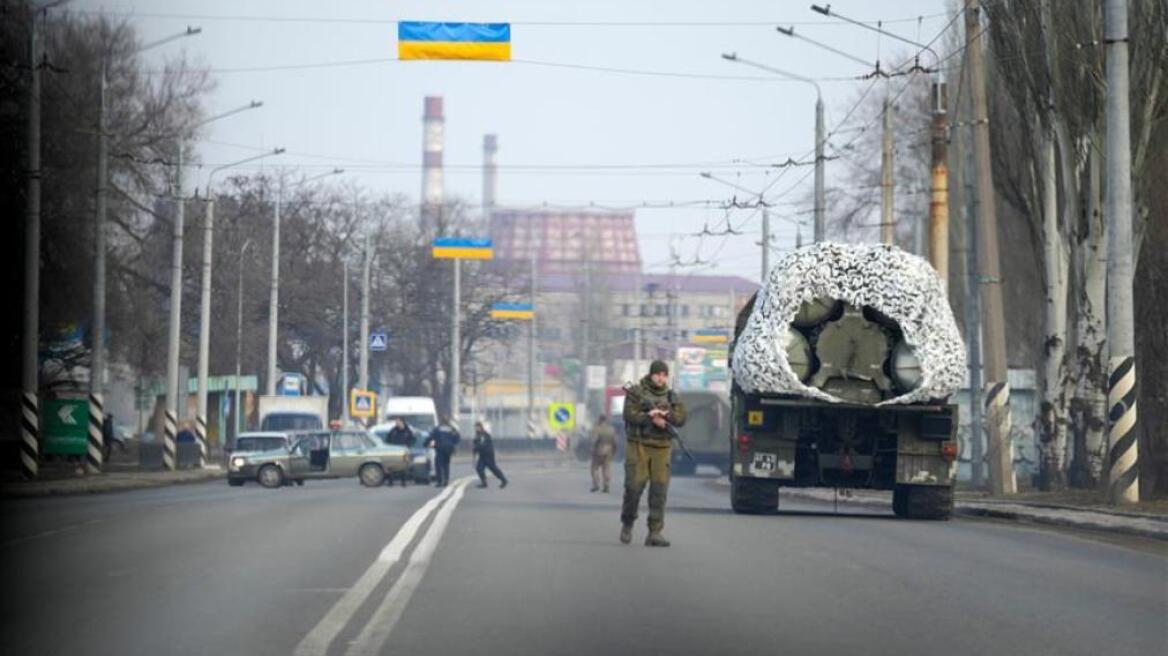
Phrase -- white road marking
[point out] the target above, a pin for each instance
(317, 642)
(376, 632)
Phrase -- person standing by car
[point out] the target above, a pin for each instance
(484, 449)
(603, 449)
(401, 434)
(444, 439)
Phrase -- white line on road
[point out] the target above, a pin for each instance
(376, 632)
(317, 642)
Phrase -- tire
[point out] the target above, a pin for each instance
(235, 482)
(749, 496)
(300, 482)
(371, 475)
(684, 467)
(270, 477)
(922, 502)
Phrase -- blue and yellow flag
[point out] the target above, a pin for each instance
(449, 248)
(425, 40)
(512, 311)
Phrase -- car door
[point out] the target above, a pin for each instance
(347, 453)
(298, 466)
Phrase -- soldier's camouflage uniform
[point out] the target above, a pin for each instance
(648, 452)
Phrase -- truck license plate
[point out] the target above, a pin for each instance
(764, 462)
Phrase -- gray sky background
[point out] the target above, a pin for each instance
(366, 117)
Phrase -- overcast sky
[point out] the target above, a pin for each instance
(334, 96)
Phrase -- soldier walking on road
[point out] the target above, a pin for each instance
(484, 449)
(444, 439)
(650, 409)
(603, 449)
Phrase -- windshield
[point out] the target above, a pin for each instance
(291, 422)
(422, 422)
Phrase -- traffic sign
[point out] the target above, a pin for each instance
(378, 341)
(362, 404)
(66, 426)
(596, 376)
(561, 415)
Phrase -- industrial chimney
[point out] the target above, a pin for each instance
(432, 138)
(490, 174)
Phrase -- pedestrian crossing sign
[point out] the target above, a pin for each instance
(362, 404)
(378, 341)
(561, 416)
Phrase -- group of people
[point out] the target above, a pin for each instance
(444, 440)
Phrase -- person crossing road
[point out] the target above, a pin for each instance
(484, 451)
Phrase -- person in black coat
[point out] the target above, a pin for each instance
(401, 434)
(444, 439)
(484, 449)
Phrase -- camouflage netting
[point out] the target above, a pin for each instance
(902, 286)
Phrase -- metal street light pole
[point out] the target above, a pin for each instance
(363, 380)
(30, 367)
(237, 409)
(205, 305)
(274, 296)
(97, 364)
(172, 348)
(345, 345)
(820, 136)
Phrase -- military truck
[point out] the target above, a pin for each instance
(706, 424)
(845, 384)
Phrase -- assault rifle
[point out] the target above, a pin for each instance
(648, 405)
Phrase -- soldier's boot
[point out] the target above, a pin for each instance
(594, 488)
(626, 535)
(655, 539)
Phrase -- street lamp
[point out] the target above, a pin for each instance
(237, 409)
(820, 139)
(205, 305)
(172, 350)
(274, 300)
(97, 357)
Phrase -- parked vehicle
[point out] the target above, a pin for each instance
(420, 462)
(247, 444)
(293, 413)
(323, 454)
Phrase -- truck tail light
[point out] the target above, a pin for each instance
(949, 451)
(744, 442)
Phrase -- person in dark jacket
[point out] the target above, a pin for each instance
(484, 449)
(401, 434)
(444, 439)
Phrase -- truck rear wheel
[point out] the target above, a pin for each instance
(749, 496)
(922, 501)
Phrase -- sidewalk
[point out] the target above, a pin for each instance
(1075, 509)
(65, 481)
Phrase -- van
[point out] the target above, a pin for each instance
(417, 411)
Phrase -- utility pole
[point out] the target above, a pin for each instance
(1123, 433)
(237, 408)
(29, 369)
(274, 293)
(766, 242)
(94, 451)
(887, 162)
(997, 385)
(820, 195)
(345, 344)
(533, 247)
(455, 340)
(586, 351)
(939, 192)
(172, 349)
(363, 381)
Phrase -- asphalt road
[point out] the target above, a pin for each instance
(332, 568)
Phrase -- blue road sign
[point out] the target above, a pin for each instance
(378, 341)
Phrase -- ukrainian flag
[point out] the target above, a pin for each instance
(425, 40)
(710, 336)
(449, 248)
(512, 311)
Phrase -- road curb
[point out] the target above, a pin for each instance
(101, 484)
(1123, 523)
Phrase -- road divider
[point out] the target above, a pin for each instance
(375, 635)
(317, 642)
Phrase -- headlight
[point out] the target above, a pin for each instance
(238, 462)
(906, 367)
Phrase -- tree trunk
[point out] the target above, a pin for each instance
(1090, 421)
(1052, 434)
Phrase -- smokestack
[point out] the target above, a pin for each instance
(490, 174)
(432, 140)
